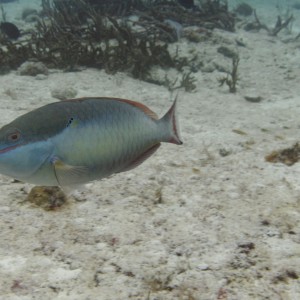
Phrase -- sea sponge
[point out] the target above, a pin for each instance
(46, 197)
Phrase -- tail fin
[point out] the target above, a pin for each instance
(170, 121)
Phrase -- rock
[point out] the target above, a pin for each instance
(203, 267)
(224, 152)
(208, 67)
(64, 93)
(41, 77)
(30, 15)
(61, 274)
(253, 98)
(227, 52)
(193, 36)
(244, 9)
(10, 30)
(32, 68)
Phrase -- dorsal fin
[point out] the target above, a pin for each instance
(140, 106)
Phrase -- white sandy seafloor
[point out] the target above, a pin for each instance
(189, 223)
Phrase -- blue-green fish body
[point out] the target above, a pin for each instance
(80, 140)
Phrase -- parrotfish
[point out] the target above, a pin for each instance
(76, 141)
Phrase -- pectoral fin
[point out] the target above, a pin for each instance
(69, 176)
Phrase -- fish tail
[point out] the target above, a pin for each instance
(170, 123)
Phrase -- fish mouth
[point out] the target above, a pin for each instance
(7, 149)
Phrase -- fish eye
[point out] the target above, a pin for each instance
(14, 136)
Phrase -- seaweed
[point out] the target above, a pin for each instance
(98, 34)
(187, 82)
(3, 13)
(279, 25)
(101, 42)
(232, 77)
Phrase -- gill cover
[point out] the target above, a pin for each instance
(18, 157)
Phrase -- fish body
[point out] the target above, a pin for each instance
(72, 142)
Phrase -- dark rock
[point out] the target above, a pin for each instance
(244, 9)
(227, 52)
(186, 3)
(10, 30)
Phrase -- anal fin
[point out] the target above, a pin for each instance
(140, 159)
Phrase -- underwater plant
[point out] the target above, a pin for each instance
(73, 33)
(279, 25)
(232, 77)
(187, 82)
